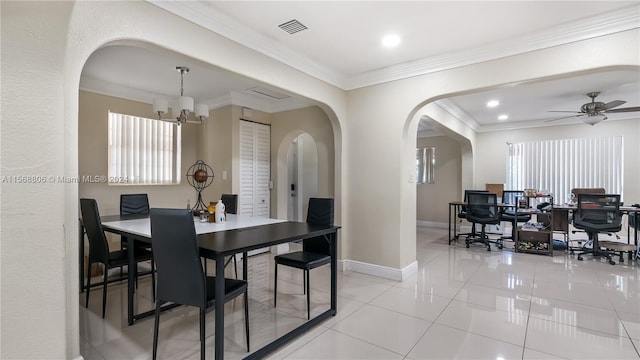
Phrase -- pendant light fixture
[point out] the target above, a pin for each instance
(185, 104)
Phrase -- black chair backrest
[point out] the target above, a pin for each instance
(598, 212)
(230, 202)
(98, 245)
(511, 196)
(482, 207)
(466, 198)
(134, 204)
(320, 212)
(177, 257)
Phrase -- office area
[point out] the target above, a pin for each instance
(357, 169)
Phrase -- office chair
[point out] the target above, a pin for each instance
(181, 279)
(463, 214)
(315, 251)
(482, 208)
(510, 214)
(99, 250)
(597, 213)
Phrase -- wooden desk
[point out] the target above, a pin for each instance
(239, 234)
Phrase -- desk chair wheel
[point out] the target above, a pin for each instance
(612, 262)
(579, 257)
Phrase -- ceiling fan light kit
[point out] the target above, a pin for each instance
(185, 104)
(594, 112)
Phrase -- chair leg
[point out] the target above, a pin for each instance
(205, 266)
(88, 288)
(235, 265)
(275, 285)
(304, 282)
(202, 318)
(153, 279)
(104, 291)
(308, 296)
(156, 324)
(246, 317)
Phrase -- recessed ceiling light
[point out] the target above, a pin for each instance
(503, 117)
(391, 40)
(493, 103)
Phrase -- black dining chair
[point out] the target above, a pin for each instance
(230, 202)
(482, 208)
(134, 204)
(315, 251)
(99, 250)
(597, 213)
(181, 279)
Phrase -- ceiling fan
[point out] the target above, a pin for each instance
(595, 111)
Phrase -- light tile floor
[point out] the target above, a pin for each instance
(461, 304)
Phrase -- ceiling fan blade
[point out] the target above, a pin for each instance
(629, 109)
(564, 117)
(561, 111)
(612, 104)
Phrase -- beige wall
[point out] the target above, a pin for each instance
(432, 200)
(93, 156)
(286, 126)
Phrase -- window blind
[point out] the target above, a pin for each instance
(143, 151)
(561, 165)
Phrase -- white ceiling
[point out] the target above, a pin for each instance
(342, 46)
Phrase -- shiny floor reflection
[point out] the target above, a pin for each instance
(461, 304)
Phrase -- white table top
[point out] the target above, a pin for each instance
(142, 227)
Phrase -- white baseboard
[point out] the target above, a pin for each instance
(380, 271)
(434, 224)
(79, 358)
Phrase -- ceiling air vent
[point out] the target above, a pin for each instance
(269, 93)
(292, 26)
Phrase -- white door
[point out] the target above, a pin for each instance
(255, 171)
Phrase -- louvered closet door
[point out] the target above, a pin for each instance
(255, 165)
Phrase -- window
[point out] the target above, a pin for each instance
(143, 151)
(561, 165)
(425, 165)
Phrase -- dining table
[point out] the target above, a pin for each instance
(239, 234)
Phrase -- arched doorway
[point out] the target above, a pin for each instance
(302, 175)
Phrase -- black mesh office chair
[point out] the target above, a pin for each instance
(597, 213)
(315, 251)
(181, 279)
(510, 214)
(482, 208)
(463, 214)
(99, 250)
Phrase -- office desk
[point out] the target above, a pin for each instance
(239, 234)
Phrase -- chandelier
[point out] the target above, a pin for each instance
(185, 104)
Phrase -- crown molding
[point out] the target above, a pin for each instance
(200, 13)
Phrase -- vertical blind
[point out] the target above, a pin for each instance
(143, 151)
(561, 165)
(425, 165)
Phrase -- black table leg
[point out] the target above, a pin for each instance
(81, 253)
(334, 270)
(130, 279)
(219, 307)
